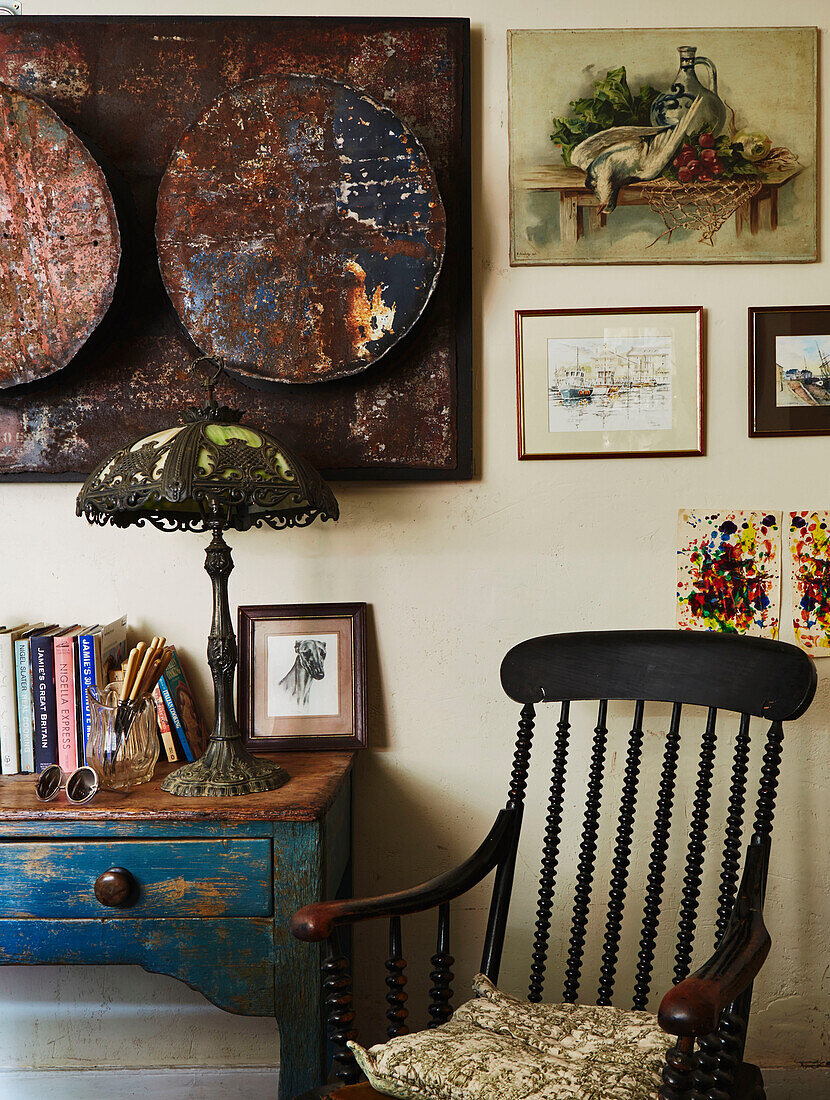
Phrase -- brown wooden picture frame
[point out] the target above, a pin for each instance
(286, 726)
(766, 416)
(697, 438)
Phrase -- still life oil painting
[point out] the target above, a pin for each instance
(729, 572)
(663, 146)
(810, 580)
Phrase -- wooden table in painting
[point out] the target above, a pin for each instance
(575, 197)
(200, 889)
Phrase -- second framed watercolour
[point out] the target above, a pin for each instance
(789, 370)
(596, 383)
(302, 676)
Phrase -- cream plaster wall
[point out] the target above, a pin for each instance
(454, 575)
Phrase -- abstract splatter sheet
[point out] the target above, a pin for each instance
(729, 572)
(810, 580)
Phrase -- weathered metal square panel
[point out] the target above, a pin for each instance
(130, 87)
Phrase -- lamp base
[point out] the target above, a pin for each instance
(226, 768)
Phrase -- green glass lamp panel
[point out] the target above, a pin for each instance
(222, 434)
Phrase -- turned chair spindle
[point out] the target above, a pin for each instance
(657, 861)
(622, 854)
(441, 975)
(550, 857)
(396, 998)
(695, 851)
(587, 857)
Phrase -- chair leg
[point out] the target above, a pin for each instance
(750, 1083)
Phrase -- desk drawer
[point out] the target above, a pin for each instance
(175, 878)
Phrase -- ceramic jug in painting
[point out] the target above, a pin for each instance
(669, 107)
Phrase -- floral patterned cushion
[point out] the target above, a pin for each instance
(497, 1047)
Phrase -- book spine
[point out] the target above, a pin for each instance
(185, 704)
(25, 722)
(9, 751)
(165, 732)
(174, 718)
(65, 703)
(86, 678)
(43, 695)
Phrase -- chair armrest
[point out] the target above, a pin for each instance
(694, 1006)
(316, 922)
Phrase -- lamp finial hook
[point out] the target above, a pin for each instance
(209, 379)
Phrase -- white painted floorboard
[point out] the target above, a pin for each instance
(793, 1084)
(260, 1083)
(257, 1083)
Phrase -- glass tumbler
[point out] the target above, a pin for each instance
(123, 744)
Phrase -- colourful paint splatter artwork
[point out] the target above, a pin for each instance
(729, 572)
(810, 579)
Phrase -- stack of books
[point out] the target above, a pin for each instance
(45, 670)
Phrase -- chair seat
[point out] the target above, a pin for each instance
(497, 1047)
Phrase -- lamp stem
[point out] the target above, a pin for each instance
(221, 650)
(226, 768)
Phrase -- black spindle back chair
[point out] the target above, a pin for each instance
(707, 1011)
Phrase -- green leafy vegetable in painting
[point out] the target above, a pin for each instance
(733, 160)
(612, 104)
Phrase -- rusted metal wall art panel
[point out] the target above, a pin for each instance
(136, 89)
(60, 246)
(300, 229)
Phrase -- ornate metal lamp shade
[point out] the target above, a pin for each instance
(211, 474)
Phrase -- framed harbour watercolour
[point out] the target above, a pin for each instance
(597, 383)
(302, 676)
(663, 145)
(789, 370)
(325, 163)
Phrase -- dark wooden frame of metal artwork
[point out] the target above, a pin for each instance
(410, 417)
(248, 618)
(701, 387)
(765, 417)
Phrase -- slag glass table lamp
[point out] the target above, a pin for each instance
(211, 474)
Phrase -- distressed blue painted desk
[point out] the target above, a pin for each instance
(212, 883)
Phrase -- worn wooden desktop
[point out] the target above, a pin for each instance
(212, 883)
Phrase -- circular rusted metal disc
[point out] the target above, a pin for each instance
(60, 247)
(300, 229)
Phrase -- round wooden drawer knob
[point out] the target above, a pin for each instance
(116, 888)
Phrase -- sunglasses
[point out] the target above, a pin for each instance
(80, 786)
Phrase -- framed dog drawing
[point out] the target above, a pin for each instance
(302, 676)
